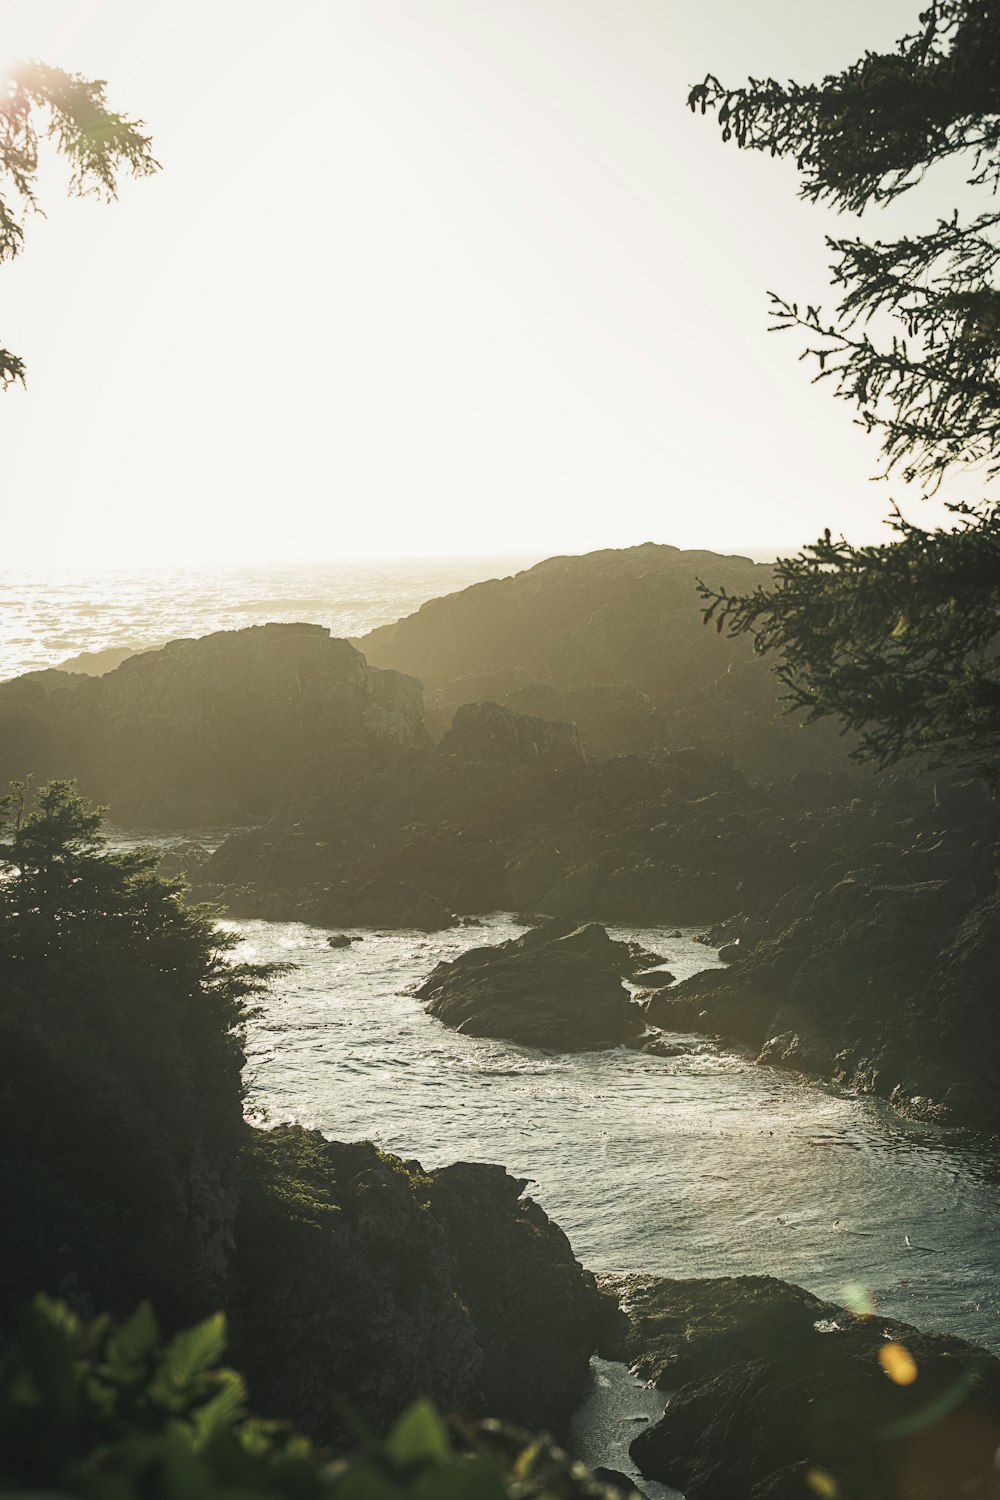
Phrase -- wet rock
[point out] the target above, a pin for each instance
(653, 979)
(730, 952)
(617, 1481)
(879, 983)
(557, 986)
(828, 1405)
(183, 861)
(535, 1310)
(665, 1046)
(339, 940)
(357, 1275)
(672, 1331)
(810, 1052)
(772, 1382)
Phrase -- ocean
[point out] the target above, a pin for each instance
(47, 617)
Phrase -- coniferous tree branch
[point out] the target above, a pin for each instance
(901, 642)
(39, 103)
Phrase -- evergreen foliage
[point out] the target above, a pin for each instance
(898, 641)
(42, 103)
(121, 1015)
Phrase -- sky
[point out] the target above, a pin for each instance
(425, 278)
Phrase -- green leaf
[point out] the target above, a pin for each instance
(129, 1345)
(475, 1479)
(223, 1409)
(419, 1437)
(194, 1351)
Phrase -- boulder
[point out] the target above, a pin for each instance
(670, 1331)
(665, 1046)
(777, 1386)
(828, 1407)
(556, 986)
(653, 979)
(485, 731)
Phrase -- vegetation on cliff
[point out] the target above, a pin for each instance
(121, 1014)
(353, 1281)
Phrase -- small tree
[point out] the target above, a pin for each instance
(121, 1031)
(899, 641)
(72, 112)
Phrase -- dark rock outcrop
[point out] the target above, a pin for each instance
(670, 1331)
(654, 979)
(778, 1388)
(535, 1311)
(614, 642)
(359, 1278)
(211, 731)
(485, 731)
(617, 840)
(557, 986)
(883, 982)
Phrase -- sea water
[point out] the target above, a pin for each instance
(699, 1165)
(47, 617)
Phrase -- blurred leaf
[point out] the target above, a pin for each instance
(419, 1437)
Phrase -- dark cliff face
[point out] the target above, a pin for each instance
(879, 969)
(213, 730)
(360, 1282)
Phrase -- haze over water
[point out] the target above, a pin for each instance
(52, 614)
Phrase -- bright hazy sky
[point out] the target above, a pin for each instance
(427, 277)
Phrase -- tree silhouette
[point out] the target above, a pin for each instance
(902, 641)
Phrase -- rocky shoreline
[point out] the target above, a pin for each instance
(777, 1393)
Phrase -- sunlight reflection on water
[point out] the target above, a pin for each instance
(693, 1165)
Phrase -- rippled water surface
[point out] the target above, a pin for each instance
(700, 1165)
(51, 616)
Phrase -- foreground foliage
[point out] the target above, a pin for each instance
(112, 1412)
(897, 641)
